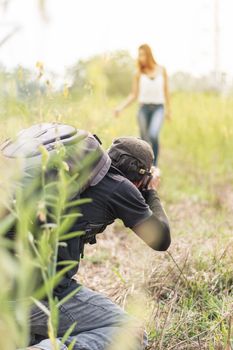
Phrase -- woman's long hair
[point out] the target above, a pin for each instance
(150, 60)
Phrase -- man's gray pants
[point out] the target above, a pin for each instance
(101, 325)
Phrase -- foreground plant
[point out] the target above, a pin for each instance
(37, 212)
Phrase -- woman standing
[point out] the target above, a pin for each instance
(150, 87)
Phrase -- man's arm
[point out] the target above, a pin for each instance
(143, 212)
(155, 230)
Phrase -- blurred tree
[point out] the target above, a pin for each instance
(119, 69)
(109, 73)
(20, 83)
(27, 86)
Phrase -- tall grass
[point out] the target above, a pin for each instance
(37, 213)
(196, 161)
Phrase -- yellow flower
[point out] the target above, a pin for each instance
(40, 65)
(66, 91)
(20, 73)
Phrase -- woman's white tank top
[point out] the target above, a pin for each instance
(151, 90)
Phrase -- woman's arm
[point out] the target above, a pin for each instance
(167, 95)
(132, 96)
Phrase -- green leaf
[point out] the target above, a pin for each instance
(51, 197)
(70, 235)
(50, 204)
(118, 274)
(50, 226)
(52, 216)
(72, 344)
(62, 244)
(41, 306)
(67, 297)
(68, 333)
(78, 202)
(73, 178)
(6, 224)
(72, 215)
(44, 156)
(53, 281)
(7, 243)
(67, 223)
(51, 184)
(64, 262)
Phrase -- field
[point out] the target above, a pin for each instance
(185, 295)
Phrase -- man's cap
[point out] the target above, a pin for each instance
(133, 147)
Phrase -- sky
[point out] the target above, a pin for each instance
(181, 32)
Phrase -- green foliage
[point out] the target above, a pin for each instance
(29, 261)
(110, 73)
(194, 302)
(196, 160)
(119, 69)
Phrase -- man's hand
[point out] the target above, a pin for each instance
(155, 181)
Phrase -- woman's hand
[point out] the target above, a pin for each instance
(117, 111)
(168, 114)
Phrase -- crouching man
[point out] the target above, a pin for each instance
(128, 192)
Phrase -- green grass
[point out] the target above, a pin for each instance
(195, 145)
(192, 307)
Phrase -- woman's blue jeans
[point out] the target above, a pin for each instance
(150, 118)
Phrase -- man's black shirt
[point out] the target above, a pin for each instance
(114, 197)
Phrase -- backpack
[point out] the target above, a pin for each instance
(79, 145)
